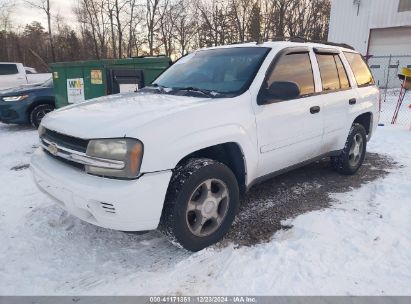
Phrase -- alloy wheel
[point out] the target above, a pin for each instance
(207, 207)
(356, 150)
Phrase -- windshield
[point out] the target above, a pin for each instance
(48, 83)
(223, 71)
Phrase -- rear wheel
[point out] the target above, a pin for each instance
(37, 114)
(353, 154)
(201, 203)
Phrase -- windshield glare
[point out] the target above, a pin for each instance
(229, 70)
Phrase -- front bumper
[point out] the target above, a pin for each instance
(127, 205)
(14, 112)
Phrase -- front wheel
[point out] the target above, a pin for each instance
(38, 113)
(201, 203)
(353, 154)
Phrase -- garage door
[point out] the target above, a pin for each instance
(392, 41)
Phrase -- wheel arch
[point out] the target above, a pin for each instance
(228, 153)
(38, 102)
(366, 120)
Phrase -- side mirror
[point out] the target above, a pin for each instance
(279, 90)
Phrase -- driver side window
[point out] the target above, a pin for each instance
(296, 68)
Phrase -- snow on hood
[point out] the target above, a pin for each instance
(117, 115)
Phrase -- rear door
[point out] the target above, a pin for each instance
(289, 131)
(368, 93)
(337, 96)
(10, 76)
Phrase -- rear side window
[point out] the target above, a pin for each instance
(8, 69)
(360, 69)
(329, 73)
(333, 74)
(295, 68)
(342, 73)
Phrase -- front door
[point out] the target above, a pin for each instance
(290, 131)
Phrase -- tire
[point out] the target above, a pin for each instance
(353, 154)
(38, 112)
(201, 203)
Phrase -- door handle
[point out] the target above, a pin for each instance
(352, 101)
(314, 110)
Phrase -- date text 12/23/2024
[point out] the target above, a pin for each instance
(203, 299)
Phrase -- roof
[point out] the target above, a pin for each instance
(284, 44)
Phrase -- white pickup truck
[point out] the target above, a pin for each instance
(178, 154)
(15, 74)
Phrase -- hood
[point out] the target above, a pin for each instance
(22, 90)
(117, 115)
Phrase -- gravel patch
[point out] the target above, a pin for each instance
(299, 191)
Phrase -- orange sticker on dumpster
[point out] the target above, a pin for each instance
(96, 77)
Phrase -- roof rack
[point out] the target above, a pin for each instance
(304, 40)
(344, 45)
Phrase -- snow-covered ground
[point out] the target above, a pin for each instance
(361, 245)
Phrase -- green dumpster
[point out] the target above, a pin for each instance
(77, 81)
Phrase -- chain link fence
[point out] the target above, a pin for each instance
(385, 70)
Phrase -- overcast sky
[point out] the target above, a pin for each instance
(23, 13)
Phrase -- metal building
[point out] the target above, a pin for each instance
(378, 29)
(373, 27)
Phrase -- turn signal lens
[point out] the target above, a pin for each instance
(128, 150)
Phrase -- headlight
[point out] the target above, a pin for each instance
(128, 150)
(15, 98)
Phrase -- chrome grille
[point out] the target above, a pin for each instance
(72, 151)
(70, 142)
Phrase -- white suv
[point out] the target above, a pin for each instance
(177, 155)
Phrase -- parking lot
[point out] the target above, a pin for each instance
(298, 192)
(291, 232)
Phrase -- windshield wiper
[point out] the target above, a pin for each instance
(159, 88)
(205, 92)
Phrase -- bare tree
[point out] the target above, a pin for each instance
(44, 5)
(93, 18)
(152, 20)
(282, 11)
(186, 25)
(168, 16)
(110, 12)
(118, 28)
(88, 29)
(6, 7)
(241, 14)
(133, 21)
(215, 27)
(115, 8)
(119, 7)
(137, 32)
(254, 28)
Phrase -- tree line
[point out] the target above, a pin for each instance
(128, 28)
